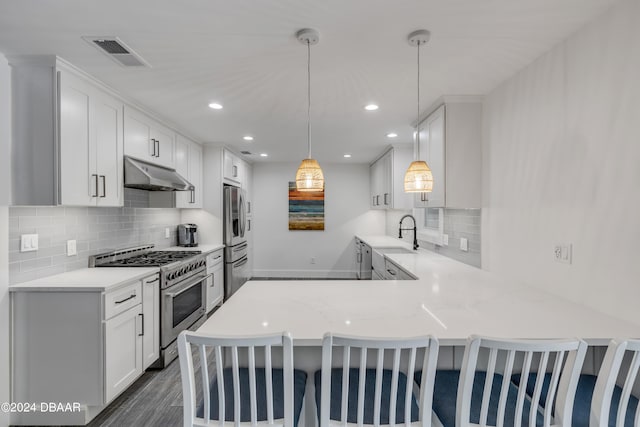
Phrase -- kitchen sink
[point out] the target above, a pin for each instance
(395, 251)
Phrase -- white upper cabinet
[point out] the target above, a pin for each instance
(67, 136)
(451, 143)
(232, 168)
(189, 165)
(387, 180)
(148, 140)
(90, 145)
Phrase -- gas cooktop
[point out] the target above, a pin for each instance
(151, 259)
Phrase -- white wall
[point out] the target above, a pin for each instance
(561, 156)
(5, 136)
(279, 252)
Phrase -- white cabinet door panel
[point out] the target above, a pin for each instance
(151, 320)
(77, 164)
(107, 120)
(123, 358)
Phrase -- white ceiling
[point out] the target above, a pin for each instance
(243, 53)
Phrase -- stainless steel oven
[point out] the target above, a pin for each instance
(181, 305)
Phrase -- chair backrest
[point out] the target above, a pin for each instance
(614, 372)
(212, 351)
(561, 358)
(406, 356)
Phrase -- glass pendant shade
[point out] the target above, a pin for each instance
(309, 176)
(418, 178)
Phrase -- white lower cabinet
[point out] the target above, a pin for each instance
(215, 279)
(395, 272)
(81, 346)
(150, 320)
(123, 351)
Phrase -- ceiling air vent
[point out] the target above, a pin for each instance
(115, 49)
(246, 153)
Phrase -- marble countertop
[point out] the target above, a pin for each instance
(450, 300)
(86, 280)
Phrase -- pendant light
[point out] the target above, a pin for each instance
(418, 178)
(309, 176)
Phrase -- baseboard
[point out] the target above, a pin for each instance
(307, 274)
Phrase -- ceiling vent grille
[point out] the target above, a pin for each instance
(117, 50)
(246, 153)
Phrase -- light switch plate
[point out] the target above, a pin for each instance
(71, 248)
(445, 240)
(167, 233)
(28, 242)
(464, 244)
(562, 252)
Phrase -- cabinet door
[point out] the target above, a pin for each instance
(386, 179)
(123, 351)
(231, 167)
(78, 177)
(195, 175)
(432, 150)
(165, 145)
(215, 288)
(182, 167)
(137, 136)
(108, 147)
(151, 320)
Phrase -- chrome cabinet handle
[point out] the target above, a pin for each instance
(96, 186)
(391, 272)
(193, 196)
(154, 280)
(142, 323)
(126, 299)
(158, 152)
(378, 200)
(385, 198)
(104, 186)
(235, 171)
(153, 147)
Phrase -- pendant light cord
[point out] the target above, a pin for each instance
(309, 97)
(418, 112)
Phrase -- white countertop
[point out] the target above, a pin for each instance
(450, 300)
(86, 279)
(205, 249)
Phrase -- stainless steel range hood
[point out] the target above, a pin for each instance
(147, 176)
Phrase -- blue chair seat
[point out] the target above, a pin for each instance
(299, 383)
(446, 390)
(369, 396)
(582, 403)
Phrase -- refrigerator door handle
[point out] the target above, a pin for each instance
(242, 215)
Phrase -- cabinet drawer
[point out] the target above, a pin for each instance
(393, 272)
(215, 259)
(120, 300)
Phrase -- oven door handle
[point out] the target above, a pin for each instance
(186, 286)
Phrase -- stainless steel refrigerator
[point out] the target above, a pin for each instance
(236, 268)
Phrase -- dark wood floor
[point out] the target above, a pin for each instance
(155, 399)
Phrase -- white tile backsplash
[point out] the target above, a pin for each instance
(94, 229)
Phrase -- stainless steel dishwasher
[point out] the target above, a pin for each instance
(363, 260)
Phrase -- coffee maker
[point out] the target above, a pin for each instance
(187, 235)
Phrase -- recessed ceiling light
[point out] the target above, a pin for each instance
(392, 135)
(215, 106)
(371, 107)
(346, 156)
(247, 138)
(264, 155)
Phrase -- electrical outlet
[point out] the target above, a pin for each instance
(313, 260)
(28, 242)
(445, 240)
(562, 253)
(167, 233)
(71, 248)
(464, 244)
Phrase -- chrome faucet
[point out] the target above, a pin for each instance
(415, 234)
